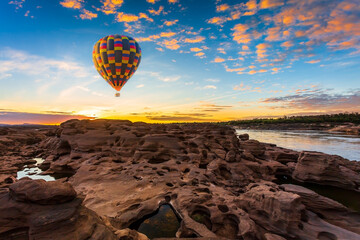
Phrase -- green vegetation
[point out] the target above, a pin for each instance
(327, 118)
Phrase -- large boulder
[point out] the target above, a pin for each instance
(23, 217)
(42, 192)
(325, 169)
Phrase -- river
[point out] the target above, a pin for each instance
(347, 146)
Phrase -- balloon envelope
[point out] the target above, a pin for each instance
(116, 58)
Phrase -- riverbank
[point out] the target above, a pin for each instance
(347, 128)
(219, 185)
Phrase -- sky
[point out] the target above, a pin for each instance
(202, 60)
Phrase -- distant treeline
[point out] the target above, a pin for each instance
(330, 118)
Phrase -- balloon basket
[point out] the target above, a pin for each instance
(117, 94)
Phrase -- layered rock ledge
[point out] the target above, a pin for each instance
(221, 185)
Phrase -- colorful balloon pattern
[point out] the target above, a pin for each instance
(116, 58)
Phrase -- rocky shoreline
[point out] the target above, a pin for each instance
(220, 185)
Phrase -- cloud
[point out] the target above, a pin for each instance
(140, 86)
(237, 70)
(156, 12)
(212, 80)
(170, 23)
(159, 76)
(124, 17)
(240, 34)
(88, 15)
(110, 6)
(313, 61)
(155, 37)
(219, 60)
(12, 61)
(211, 107)
(271, 3)
(194, 40)
(196, 49)
(184, 118)
(222, 7)
(200, 54)
(246, 88)
(320, 99)
(287, 44)
(261, 50)
(173, 1)
(221, 50)
(171, 44)
(210, 87)
(37, 118)
(17, 3)
(152, 1)
(75, 4)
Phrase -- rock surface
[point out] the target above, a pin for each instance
(221, 186)
(65, 218)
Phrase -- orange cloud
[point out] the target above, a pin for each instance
(271, 3)
(88, 15)
(238, 70)
(167, 34)
(251, 5)
(173, 1)
(242, 87)
(157, 36)
(76, 4)
(152, 1)
(195, 49)
(221, 50)
(171, 44)
(124, 17)
(145, 16)
(218, 20)
(287, 44)
(244, 47)
(110, 6)
(261, 50)
(222, 7)
(313, 61)
(200, 54)
(240, 35)
(156, 12)
(194, 40)
(218, 60)
(170, 23)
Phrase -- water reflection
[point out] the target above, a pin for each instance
(161, 224)
(34, 172)
(347, 146)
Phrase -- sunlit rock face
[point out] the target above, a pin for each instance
(219, 185)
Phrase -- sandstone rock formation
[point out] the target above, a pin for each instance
(221, 186)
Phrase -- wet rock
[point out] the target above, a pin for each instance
(244, 137)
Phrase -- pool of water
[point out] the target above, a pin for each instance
(347, 146)
(348, 198)
(34, 172)
(161, 224)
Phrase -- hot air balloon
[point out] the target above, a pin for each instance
(116, 58)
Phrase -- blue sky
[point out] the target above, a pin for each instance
(202, 60)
